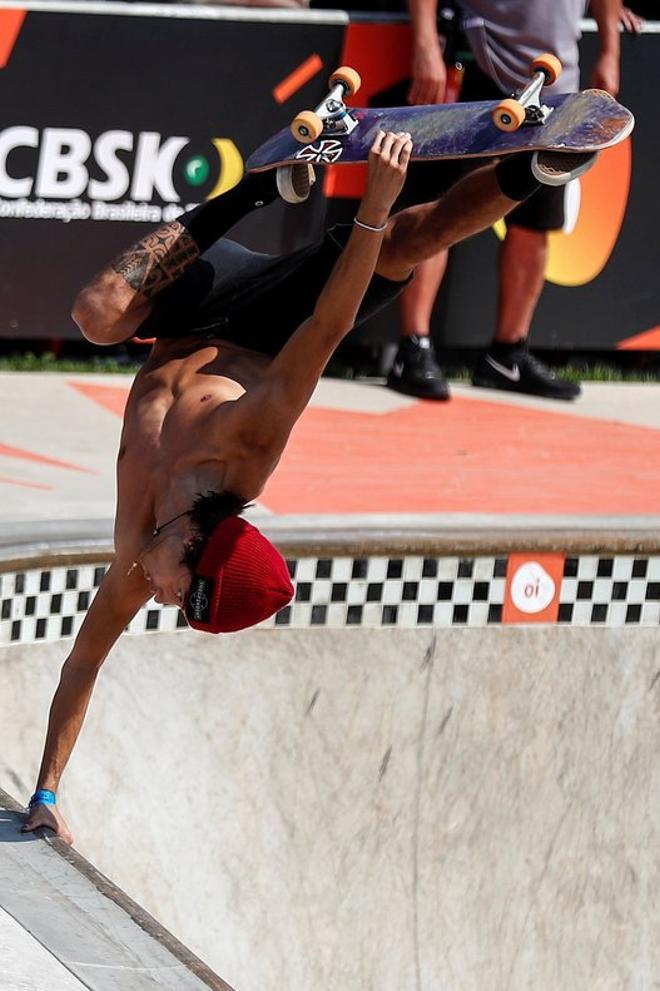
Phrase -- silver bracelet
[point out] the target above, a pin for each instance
(368, 227)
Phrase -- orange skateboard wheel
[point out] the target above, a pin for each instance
(508, 115)
(307, 127)
(349, 79)
(549, 65)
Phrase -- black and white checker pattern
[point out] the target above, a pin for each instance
(610, 591)
(378, 592)
(389, 591)
(50, 604)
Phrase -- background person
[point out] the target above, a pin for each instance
(504, 36)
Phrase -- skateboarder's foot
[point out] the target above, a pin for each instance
(294, 182)
(416, 372)
(556, 168)
(511, 367)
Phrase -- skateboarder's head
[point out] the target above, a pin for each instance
(219, 569)
(238, 577)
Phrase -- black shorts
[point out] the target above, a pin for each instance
(252, 299)
(543, 211)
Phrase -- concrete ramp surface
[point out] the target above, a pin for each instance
(64, 927)
(373, 810)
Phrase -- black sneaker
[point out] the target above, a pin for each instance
(516, 370)
(415, 370)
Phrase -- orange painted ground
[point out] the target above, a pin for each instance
(466, 456)
(111, 397)
(19, 453)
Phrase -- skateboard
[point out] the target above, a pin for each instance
(337, 134)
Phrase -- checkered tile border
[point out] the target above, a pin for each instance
(610, 591)
(50, 604)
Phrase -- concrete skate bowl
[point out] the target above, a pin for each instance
(365, 794)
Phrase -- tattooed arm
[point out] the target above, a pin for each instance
(114, 304)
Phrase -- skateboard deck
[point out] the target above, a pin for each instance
(588, 121)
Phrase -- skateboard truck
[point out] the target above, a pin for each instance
(332, 117)
(526, 107)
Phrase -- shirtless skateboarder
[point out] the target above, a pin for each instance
(242, 340)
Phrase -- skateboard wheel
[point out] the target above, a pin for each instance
(349, 79)
(549, 65)
(307, 127)
(508, 115)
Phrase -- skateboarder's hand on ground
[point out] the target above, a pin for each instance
(49, 817)
(386, 173)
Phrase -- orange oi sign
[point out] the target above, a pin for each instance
(533, 584)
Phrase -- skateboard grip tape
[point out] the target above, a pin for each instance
(515, 177)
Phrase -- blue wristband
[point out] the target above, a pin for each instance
(43, 797)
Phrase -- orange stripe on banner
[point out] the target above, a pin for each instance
(381, 53)
(647, 341)
(297, 79)
(11, 22)
(347, 181)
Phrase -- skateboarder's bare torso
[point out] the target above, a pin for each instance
(181, 418)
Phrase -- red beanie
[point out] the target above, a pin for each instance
(241, 579)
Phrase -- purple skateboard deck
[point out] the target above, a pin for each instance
(586, 121)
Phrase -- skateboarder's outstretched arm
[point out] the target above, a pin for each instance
(267, 413)
(121, 594)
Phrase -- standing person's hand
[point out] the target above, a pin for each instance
(606, 74)
(386, 173)
(630, 21)
(48, 817)
(429, 75)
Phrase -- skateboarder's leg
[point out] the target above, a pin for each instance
(471, 205)
(120, 300)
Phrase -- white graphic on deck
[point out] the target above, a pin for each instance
(532, 588)
(324, 152)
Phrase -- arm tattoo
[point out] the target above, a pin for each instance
(157, 260)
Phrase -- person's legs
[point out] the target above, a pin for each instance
(419, 234)
(507, 363)
(473, 204)
(521, 274)
(417, 299)
(415, 370)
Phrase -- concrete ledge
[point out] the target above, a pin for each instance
(92, 928)
(47, 543)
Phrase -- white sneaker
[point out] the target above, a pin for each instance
(294, 182)
(556, 168)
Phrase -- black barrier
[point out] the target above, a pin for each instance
(111, 123)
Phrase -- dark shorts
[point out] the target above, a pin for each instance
(252, 299)
(544, 211)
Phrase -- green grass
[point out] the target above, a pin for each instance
(592, 373)
(29, 362)
(605, 373)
